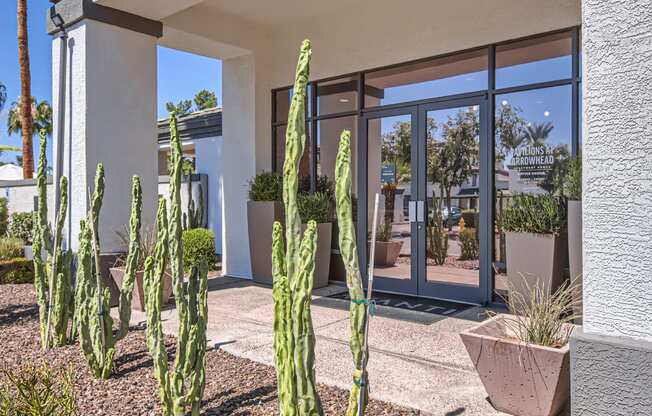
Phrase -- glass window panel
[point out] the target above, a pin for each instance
(455, 74)
(279, 137)
(541, 59)
(532, 142)
(337, 96)
(282, 99)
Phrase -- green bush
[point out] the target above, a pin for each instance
(198, 244)
(11, 247)
(470, 246)
(266, 186)
(539, 214)
(37, 390)
(20, 226)
(323, 185)
(573, 180)
(16, 271)
(315, 207)
(470, 217)
(4, 216)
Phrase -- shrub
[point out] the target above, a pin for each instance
(198, 243)
(470, 246)
(266, 186)
(11, 247)
(147, 245)
(37, 390)
(470, 217)
(384, 232)
(16, 271)
(573, 180)
(20, 226)
(539, 214)
(315, 207)
(323, 185)
(4, 216)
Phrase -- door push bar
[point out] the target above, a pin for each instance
(416, 211)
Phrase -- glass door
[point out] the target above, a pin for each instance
(390, 163)
(453, 188)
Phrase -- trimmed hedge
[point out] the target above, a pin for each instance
(18, 270)
(470, 217)
(198, 243)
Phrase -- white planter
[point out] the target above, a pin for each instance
(28, 253)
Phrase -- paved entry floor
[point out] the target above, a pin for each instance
(417, 363)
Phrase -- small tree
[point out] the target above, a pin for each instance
(181, 108)
(205, 100)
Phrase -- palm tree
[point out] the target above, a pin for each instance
(25, 91)
(40, 114)
(536, 134)
(3, 95)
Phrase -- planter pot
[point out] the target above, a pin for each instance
(260, 218)
(337, 269)
(28, 253)
(533, 257)
(108, 260)
(386, 253)
(575, 254)
(521, 379)
(138, 299)
(322, 254)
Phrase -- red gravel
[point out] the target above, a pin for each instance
(234, 386)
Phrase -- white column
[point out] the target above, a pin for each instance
(239, 118)
(110, 118)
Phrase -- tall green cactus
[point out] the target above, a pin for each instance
(183, 386)
(349, 251)
(94, 322)
(52, 275)
(194, 215)
(294, 337)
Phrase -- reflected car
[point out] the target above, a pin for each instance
(453, 218)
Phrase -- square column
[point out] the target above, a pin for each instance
(110, 114)
(611, 356)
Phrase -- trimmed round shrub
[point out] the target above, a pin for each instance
(19, 270)
(198, 244)
(21, 225)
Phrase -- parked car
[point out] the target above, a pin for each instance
(453, 218)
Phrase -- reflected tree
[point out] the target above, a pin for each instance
(510, 128)
(536, 134)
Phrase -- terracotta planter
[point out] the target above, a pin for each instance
(387, 252)
(260, 217)
(575, 254)
(138, 298)
(533, 257)
(521, 379)
(323, 253)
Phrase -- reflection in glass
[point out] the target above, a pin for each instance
(455, 74)
(534, 60)
(453, 194)
(279, 137)
(328, 138)
(532, 147)
(337, 96)
(389, 164)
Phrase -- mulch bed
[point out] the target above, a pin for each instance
(234, 386)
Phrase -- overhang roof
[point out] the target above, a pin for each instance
(197, 125)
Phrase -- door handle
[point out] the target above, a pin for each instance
(420, 206)
(412, 209)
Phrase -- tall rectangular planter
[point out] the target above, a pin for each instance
(260, 219)
(521, 379)
(575, 254)
(533, 257)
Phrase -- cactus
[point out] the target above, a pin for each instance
(183, 386)
(194, 215)
(294, 338)
(52, 276)
(349, 251)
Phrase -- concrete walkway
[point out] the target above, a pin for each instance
(420, 365)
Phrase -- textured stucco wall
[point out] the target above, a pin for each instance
(617, 155)
(208, 160)
(21, 198)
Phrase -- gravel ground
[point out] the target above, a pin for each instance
(235, 386)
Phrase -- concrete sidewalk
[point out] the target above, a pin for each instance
(423, 366)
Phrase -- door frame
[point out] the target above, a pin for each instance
(418, 285)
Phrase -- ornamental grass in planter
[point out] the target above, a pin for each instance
(386, 250)
(535, 233)
(573, 191)
(264, 207)
(524, 360)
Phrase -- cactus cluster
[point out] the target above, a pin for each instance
(52, 275)
(183, 386)
(92, 301)
(293, 267)
(194, 215)
(349, 252)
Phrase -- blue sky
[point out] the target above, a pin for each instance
(180, 74)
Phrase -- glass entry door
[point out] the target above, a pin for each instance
(428, 163)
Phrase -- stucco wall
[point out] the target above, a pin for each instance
(21, 198)
(208, 160)
(617, 37)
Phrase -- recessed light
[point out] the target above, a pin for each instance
(344, 100)
(504, 102)
(546, 113)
